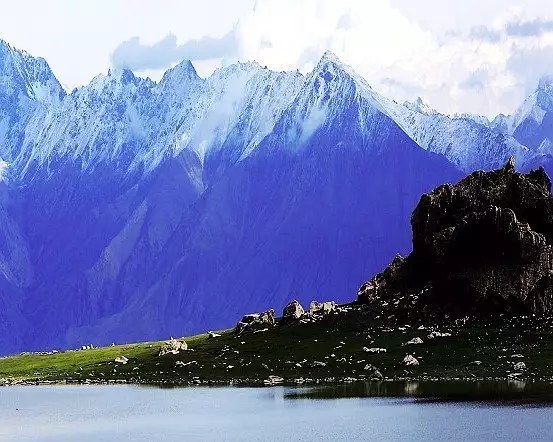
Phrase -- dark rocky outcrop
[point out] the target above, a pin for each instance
(292, 312)
(483, 245)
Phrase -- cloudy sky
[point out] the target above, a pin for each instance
(480, 56)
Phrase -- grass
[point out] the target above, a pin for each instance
(289, 351)
(81, 363)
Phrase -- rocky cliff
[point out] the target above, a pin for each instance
(481, 246)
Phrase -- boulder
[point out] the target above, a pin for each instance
(267, 318)
(520, 366)
(373, 373)
(292, 312)
(415, 341)
(121, 360)
(315, 364)
(172, 346)
(436, 334)
(480, 247)
(322, 308)
(248, 319)
(273, 380)
(256, 322)
(375, 350)
(410, 360)
(376, 376)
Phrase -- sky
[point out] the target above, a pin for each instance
(478, 56)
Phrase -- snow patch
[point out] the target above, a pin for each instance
(3, 168)
(314, 120)
(420, 106)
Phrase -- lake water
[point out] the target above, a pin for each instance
(349, 413)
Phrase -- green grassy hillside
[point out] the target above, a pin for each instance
(330, 349)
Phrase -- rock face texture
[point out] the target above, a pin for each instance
(256, 321)
(292, 312)
(481, 246)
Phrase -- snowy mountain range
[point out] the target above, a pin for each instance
(133, 210)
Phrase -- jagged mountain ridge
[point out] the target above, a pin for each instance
(27, 87)
(293, 215)
(532, 122)
(466, 140)
(133, 199)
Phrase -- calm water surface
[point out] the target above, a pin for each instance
(513, 412)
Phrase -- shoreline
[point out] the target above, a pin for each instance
(340, 348)
(261, 383)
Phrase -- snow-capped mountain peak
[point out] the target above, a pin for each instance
(544, 93)
(182, 72)
(330, 65)
(532, 122)
(125, 75)
(28, 88)
(334, 80)
(330, 57)
(20, 72)
(545, 84)
(420, 106)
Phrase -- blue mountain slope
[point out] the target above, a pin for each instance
(134, 210)
(307, 216)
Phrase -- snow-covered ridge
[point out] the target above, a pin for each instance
(21, 72)
(420, 106)
(27, 88)
(137, 123)
(532, 123)
(119, 115)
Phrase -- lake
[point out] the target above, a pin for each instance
(360, 412)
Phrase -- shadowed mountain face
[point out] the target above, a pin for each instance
(133, 210)
(306, 224)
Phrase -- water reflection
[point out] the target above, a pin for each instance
(411, 388)
(508, 393)
(121, 413)
(517, 385)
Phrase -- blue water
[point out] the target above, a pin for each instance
(126, 413)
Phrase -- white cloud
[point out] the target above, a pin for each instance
(458, 70)
(362, 33)
(77, 37)
(133, 54)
